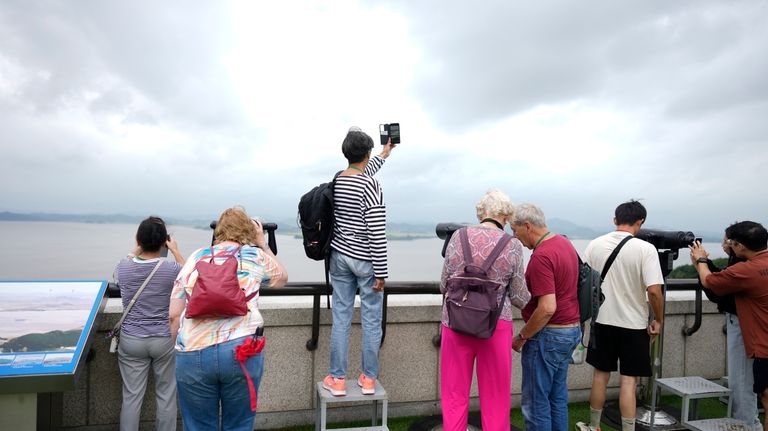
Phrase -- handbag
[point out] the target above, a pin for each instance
(114, 334)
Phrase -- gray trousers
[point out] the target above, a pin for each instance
(134, 356)
(740, 378)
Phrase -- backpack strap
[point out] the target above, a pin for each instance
(496, 252)
(612, 257)
(463, 236)
(327, 264)
(327, 259)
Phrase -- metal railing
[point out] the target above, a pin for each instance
(319, 289)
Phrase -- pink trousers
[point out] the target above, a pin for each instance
(493, 359)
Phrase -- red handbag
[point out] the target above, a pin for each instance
(217, 291)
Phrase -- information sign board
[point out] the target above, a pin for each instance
(45, 329)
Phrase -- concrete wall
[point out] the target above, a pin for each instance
(409, 364)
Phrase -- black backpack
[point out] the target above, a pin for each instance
(316, 223)
(471, 298)
(589, 289)
(316, 220)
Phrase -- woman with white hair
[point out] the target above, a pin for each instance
(492, 357)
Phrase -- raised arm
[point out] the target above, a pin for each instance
(377, 162)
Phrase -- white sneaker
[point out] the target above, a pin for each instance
(581, 426)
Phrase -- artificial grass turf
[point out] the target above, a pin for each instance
(577, 412)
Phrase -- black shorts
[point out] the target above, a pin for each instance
(760, 371)
(631, 347)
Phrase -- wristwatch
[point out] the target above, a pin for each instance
(702, 260)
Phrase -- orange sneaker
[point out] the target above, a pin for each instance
(337, 387)
(367, 385)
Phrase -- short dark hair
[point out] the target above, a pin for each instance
(356, 146)
(151, 234)
(750, 234)
(630, 212)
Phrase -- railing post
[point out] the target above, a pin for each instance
(312, 342)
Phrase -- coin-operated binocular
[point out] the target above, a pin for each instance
(269, 229)
(668, 244)
(444, 231)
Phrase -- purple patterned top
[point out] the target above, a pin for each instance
(507, 270)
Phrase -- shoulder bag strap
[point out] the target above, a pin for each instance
(116, 329)
(496, 252)
(612, 257)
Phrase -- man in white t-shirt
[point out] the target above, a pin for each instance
(622, 331)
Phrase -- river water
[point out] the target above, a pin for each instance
(83, 251)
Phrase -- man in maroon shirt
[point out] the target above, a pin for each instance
(551, 330)
(749, 282)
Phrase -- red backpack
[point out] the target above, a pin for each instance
(217, 291)
(471, 297)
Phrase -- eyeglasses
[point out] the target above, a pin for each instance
(729, 242)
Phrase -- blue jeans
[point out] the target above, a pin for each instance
(347, 275)
(213, 391)
(544, 395)
(740, 378)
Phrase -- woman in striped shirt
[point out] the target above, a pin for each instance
(358, 260)
(145, 340)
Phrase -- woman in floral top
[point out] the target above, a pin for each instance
(212, 387)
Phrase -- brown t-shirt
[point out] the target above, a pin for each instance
(749, 281)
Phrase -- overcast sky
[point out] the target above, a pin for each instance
(185, 108)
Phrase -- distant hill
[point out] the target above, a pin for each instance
(395, 230)
(572, 230)
(48, 341)
(97, 219)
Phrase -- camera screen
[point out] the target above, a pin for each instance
(394, 132)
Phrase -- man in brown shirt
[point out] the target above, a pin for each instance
(749, 282)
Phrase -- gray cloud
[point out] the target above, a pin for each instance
(688, 76)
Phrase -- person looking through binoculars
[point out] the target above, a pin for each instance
(748, 281)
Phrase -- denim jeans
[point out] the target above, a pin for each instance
(347, 275)
(740, 378)
(544, 395)
(213, 391)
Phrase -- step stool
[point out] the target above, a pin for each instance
(694, 388)
(354, 393)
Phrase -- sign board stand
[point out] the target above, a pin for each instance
(18, 412)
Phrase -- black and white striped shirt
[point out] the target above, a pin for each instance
(359, 229)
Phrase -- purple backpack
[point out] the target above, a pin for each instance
(471, 297)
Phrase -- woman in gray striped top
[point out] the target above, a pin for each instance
(145, 340)
(358, 260)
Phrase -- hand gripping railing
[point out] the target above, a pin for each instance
(318, 289)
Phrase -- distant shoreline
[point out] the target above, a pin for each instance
(395, 231)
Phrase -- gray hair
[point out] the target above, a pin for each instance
(494, 203)
(529, 213)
